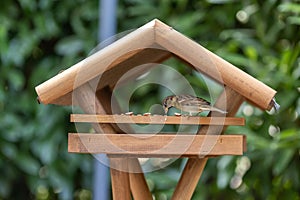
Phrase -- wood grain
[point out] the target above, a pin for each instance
(129, 52)
(90, 104)
(142, 62)
(213, 66)
(138, 184)
(120, 178)
(89, 68)
(143, 145)
(158, 119)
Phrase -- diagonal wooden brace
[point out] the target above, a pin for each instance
(228, 100)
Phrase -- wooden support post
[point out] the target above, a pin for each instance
(192, 172)
(138, 185)
(120, 178)
(86, 99)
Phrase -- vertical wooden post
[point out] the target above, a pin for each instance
(192, 172)
(120, 178)
(138, 184)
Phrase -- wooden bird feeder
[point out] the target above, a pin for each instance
(152, 43)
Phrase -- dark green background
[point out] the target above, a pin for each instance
(40, 38)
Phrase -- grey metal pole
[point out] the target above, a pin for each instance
(107, 28)
(108, 19)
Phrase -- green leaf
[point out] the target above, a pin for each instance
(69, 46)
(27, 163)
(294, 20)
(251, 52)
(282, 159)
(9, 150)
(289, 7)
(16, 79)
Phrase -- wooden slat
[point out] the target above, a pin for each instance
(157, 119)
(143, 145)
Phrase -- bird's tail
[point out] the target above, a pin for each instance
(211, 108)
(218, 110)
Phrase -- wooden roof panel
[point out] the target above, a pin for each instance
(93, 66)
(152, 43)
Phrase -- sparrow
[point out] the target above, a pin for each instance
(188, 103)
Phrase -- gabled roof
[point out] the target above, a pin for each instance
(151, 43)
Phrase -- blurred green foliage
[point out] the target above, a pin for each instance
(40, 38)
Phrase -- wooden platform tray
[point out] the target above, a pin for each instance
(157, 119)
(143, 145)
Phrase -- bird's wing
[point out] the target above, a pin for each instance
(193, 101)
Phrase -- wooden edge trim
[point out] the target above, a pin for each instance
(157, 119)
(144, 145)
